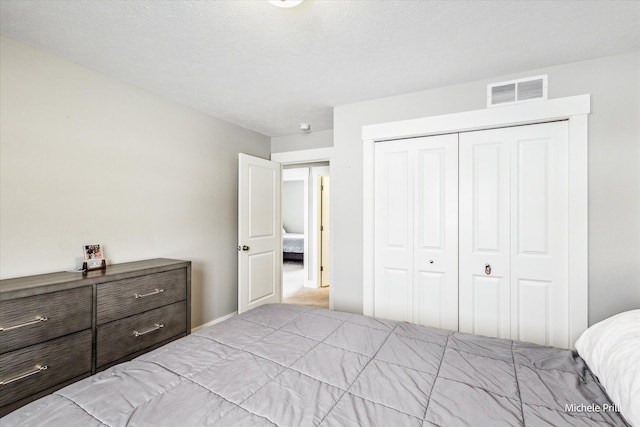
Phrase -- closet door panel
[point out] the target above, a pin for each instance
(532, 199)
(397, 194)
(533, 317)
(430, 196)
(394, 231)
(430, 299)
(395, 294)
(539, 234)
(490, 306)
(488, 195)
(484, 239)
(416, 226)
(436, 241)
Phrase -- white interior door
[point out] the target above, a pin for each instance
(259, 232)
(514, 278)
(416, 240)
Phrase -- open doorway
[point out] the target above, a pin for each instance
(305, 220)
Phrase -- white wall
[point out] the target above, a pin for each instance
(88, 159)
(293, 206)
(614, 173)
(302, 141)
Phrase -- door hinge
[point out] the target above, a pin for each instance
(322, 188)
(322, 228)
(321, 268)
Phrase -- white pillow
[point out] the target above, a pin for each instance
(611, 348)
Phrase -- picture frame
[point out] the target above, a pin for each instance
(93, 258)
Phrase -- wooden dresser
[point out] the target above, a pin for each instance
(61, 327)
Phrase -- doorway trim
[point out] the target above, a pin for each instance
(310, 156)
(575, 109)
(295, 175)
(303, 156)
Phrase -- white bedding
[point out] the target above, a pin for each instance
(611, 348)
(293, 243)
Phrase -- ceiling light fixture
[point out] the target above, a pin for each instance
(285, 3)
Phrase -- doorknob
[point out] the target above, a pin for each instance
(487, 269)
(245, 248)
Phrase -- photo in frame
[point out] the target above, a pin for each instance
(93, 258)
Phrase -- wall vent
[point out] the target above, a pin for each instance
(517, 91)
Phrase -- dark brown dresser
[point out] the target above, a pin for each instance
(58, 328)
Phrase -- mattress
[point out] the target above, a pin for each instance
(290, 365)
(293, 242)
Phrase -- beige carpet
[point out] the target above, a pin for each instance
(294, 292)
(318, 297)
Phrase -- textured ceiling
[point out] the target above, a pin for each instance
(268, 69)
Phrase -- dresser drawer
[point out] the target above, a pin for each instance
(38, 318)
(130, 296)
(31, 369)
(118, 339)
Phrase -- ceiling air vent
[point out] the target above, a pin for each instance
(522, 90)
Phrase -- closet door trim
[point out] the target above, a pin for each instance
(574, 109)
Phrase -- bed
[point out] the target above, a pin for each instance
(291, 365)
(292, 246)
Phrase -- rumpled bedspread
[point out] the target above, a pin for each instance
(291, 365)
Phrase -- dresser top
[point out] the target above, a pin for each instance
(31, 285)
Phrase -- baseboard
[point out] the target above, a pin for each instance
(311, 284)
(214, 321)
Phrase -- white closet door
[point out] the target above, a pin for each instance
(514, 218)
(484, 234)
(416, 230)
(436, 232)
(540, 234)
(394, 230)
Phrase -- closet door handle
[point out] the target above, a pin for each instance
(487, 269)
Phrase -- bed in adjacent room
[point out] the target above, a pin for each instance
(291, 365)
(292, 246)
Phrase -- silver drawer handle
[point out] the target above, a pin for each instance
(156, 292)
(37, 370)
(155, 328)
(32, 322)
